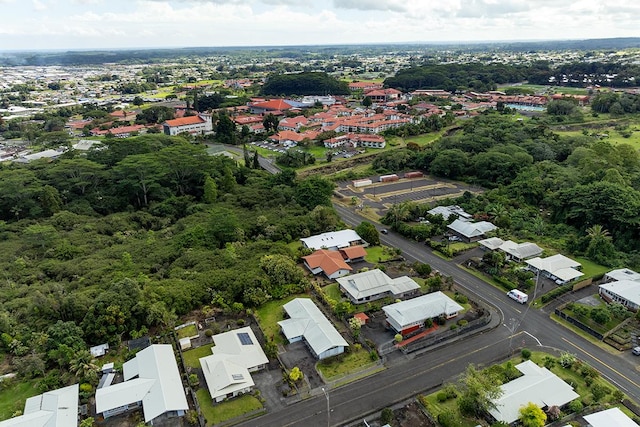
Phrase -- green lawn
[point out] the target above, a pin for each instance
(590, 268)
(192, 356)
(219, 412)
(333, 291)
(338, 366)
(13, 397)
(376, 254)
(425, 139)
(270, 314)
(187, 331)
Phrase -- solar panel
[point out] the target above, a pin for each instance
(237, 377)
(245, 339)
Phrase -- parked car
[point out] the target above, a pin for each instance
(636, 351)
(384, 231)
(455, 239)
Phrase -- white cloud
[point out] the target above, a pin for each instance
(39, 6)
(369, 5)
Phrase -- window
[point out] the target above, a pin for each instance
(244, 338)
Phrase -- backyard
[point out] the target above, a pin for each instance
(187, 331)
(13, 396)
(192, 357)
(270, 314)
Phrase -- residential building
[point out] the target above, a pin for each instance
(55, 408)
(514, 251)
(537, 385)
(625, 292)
(307, 323)
(329, 263)
(409, 316)
(375, 284)
(558, 268)
(333, 240)
(353, 253)
(151, 380)
(228, 370)
(198, 124)
(621, 274)
(612, 417)
(470, 231)
(46, 154)
(272, 106)
(447, 211)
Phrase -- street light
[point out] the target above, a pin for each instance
(326, 395)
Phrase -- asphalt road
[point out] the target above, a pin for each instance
(410, 375)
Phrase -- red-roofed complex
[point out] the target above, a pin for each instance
(269, 106)
(364, 86)
(328, 262)
(191, 124)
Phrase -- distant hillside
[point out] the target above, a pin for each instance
(94, 57)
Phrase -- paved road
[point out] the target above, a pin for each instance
(413, 374)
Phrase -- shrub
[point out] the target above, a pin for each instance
(462, 299)
(240, 322)
(567, 360)
(453, 327)
(617, 396)
(208, 333)
(442, 397)
(462, 323)
(576, 406)
(448, 419)
(373, 355)
(599, 391)
(526, 353)
(193, 380)
(386, 416)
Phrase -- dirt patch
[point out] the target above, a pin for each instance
(411, 416)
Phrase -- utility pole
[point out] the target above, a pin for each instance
(326, 395)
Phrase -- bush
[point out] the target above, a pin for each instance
(453, 327)
(448, 419)
(462, 323)
(576, 406)
(442, 397)
(240, 322)
(208, 333)
(373, 355)
(599, 391)
(526, 353)
(462, 299)
(386, 416)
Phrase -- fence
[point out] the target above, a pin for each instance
(445, 336)
(577, 323)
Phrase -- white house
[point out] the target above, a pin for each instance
(513, 251)
(447, 211)
(152, 380)
(199, 124)
(612, 417)
(625, 292)
(537, 385)
(333, 240)
(235, 355)
(557, 267)
(375, 284)
(408, 316)
(55, 408)
(621, 274)
(306, 322)
(470, 231)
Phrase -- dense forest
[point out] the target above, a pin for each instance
(104, 248)
(307, 83)
(542, 184)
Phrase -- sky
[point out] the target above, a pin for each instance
(102, 24)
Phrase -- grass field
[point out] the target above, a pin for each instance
(338, 366)
(425, 139)
(333, 291)
(590, 268)
(378, 253)
(13, 397)
(215, 414)
(192, 356)
(270, 314)
(549, 89)
(187, 331)
(614, 137)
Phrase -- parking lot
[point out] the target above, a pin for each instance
(380, 196)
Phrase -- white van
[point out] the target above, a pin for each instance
(521, 297)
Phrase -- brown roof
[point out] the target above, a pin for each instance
(353, 252)
(328, 261)
(190, 120)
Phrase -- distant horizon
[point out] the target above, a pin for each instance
(37, 25)
(283, 46)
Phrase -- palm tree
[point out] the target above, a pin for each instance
(83, 365)
(598, 232)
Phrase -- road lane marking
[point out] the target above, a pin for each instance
(603, 363)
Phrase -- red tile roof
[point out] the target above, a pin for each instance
(328, 261)
(353, 252)
(190, 120)
(274, 104)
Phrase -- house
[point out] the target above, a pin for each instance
(272, 106)
(375, 284)
(46, 154)
(621, 274)
(470, 231)
(625, 292)
(55, 408)
(612, 417)
(228, 370)
(362, 318)
(558, 268)
(353, 253)
(333, 240)
(514, 251)
(307, 323)
(447, 211)
(330, 263)
(537, 385)
(293, 123)
(151, 379)
(99, 350)
(198, 124)
(409, 316)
